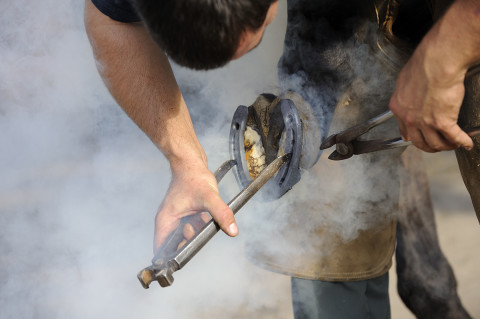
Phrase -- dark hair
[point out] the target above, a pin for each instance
(201, 34)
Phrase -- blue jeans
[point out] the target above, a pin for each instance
(314, 299)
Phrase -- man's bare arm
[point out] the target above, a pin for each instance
(139, 76)
(430, 88)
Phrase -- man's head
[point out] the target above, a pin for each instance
(206, 34)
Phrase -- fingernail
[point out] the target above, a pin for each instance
(233, 229)
(468, 148)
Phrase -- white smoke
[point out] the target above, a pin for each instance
(80, 184)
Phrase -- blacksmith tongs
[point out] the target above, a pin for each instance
(170, 258)
(348, 143)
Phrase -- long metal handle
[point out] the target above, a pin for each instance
(356, 146)
(170, 246)
(162, 270)
(362, 147)
(379, 119)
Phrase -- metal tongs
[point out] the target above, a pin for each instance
(170, 258)
(348, 143)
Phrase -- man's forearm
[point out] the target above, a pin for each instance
(430, 87)
(140, 78)
(453, 44)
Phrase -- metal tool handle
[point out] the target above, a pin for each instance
(170, 246)
(385, 116)
(379, 119)
(347, 142)
(162, 268)
(361, 147)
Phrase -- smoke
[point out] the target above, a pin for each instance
(80, 183)
(331, 59)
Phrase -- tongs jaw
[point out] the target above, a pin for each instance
(348, 144)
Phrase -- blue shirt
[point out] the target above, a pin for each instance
(119, 10)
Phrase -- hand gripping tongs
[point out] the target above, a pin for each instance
(170, 258)
(348, 143)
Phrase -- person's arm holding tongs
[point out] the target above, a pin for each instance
(139, 76)
(430, 88)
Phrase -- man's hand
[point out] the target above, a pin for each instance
(139, 76)
(427, 107)
(430, 88)
(193, 190)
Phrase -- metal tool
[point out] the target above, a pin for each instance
(286, 124)
(348, 144)
(170, 259)
(289, 175)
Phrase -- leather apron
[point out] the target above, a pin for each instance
(339, 222)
